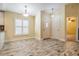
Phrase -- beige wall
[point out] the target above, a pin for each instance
(72, 10)
(10, 30)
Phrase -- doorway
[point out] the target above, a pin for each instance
(71, 28)
(46, 25)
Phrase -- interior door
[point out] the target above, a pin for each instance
(46, 26)
(71, 28)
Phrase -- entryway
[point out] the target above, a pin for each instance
(71, 28)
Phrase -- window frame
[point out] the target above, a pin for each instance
(22, 34)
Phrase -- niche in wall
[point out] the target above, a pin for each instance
(1, 27)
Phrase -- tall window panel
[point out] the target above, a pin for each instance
(25, 27)
(21, 27)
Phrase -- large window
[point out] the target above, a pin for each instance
(21, 27)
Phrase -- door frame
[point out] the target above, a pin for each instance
(76, 28)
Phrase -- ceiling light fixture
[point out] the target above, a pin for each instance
(52, 15)
(26, 14)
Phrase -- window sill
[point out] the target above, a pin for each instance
(21, 35)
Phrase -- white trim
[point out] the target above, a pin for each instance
(22, 27)
(38, 38)
(66, 29)
(77, 30)
(59, 39)
(62, 39)
(18, 39)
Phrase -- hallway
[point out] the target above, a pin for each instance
(33, 47)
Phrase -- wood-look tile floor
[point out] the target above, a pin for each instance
(33, 47)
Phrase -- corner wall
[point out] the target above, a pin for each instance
(10, 29)
(38, 26)
(73, 10)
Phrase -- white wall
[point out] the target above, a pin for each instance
(2, 34)
(1, 18)
(2, 38)
(38, 25)
(58, 23)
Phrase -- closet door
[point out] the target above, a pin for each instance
(46, 25)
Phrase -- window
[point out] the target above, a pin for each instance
(21, 27)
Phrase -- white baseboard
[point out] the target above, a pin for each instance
(62, 39)
(59, 39)
(18, 39)
(38, 38)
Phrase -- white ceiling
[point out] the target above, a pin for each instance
(32, 8)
